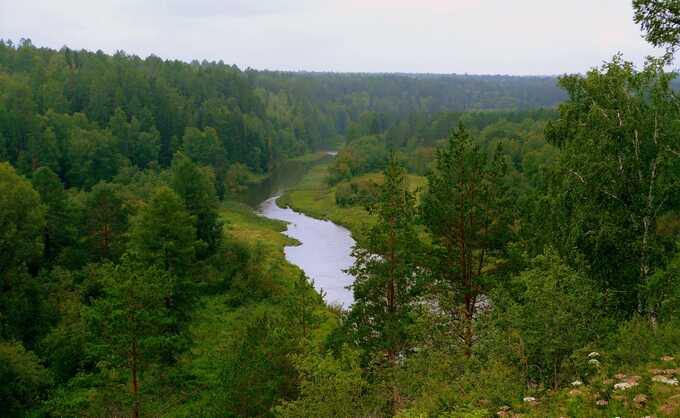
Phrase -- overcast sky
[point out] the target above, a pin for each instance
(441, 36)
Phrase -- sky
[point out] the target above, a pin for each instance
(519, 37)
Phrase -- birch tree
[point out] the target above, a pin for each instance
(620, 138)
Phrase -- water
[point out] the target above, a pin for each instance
(324, 253)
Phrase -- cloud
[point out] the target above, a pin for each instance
(233, 8)
(462, 36)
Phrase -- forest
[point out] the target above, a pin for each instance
(517, 238)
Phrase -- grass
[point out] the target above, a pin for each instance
(316, 198)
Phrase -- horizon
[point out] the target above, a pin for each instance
(201, 61)
(490, 37)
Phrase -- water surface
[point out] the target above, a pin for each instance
(324, 253)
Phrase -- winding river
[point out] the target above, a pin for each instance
(325, 248)
(324, 251)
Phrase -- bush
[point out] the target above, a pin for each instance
(356, 192)
(638, 341)
(555, 312)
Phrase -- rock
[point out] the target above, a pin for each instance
(594, 362)
(667, 358)
(594, 354)
(624, 385)
(529, 399)
(504, 411)
(664, 379)
(576, 383)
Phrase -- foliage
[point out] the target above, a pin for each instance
(23, 377)
(618, 172)
(549, 332)
(658, 19)
(465, 211)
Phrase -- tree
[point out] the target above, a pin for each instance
(385, 286)
(22, 219)
(660, 20)
(329, 386)
(163, 233)
(24, 379)
(555, 311)
(302, 306)
(93, 157)
(106, 221)
(465, 211)
(619, 171)
(196, 187)
(203, 147)
(129, 324)
(60, 230)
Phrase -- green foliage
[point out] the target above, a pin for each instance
(659, 20)
(465, 210)
(638, 341)
(60, 227)
(256, 369)
(196, 186)
(329, 386)
(131, 323)
(359, 192)
(93, 157)
(547, 332)
(618, 172)
(164, 234)
(385, 271)
(23, 380)
(203, 147)
(105, 222)
(662, 291)
(22, 219)
(364, 154)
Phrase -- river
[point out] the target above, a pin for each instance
(325, 248)
(324, 251)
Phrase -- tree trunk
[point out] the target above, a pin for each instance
(135, 383)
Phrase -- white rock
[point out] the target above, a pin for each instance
(529, 399)
(624, 385)
(664, 379)
(576, 383)
(594, 354)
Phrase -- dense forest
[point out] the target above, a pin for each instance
(517, 239)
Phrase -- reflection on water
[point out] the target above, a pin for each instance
(324, 253)
(281, 178)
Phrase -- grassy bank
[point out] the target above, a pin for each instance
(315, 197)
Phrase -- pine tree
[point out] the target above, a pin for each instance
(465, 213)
(385, 271)
(131, 324)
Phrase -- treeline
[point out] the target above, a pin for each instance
(63, 108)
(347, 96)
(57, 107)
